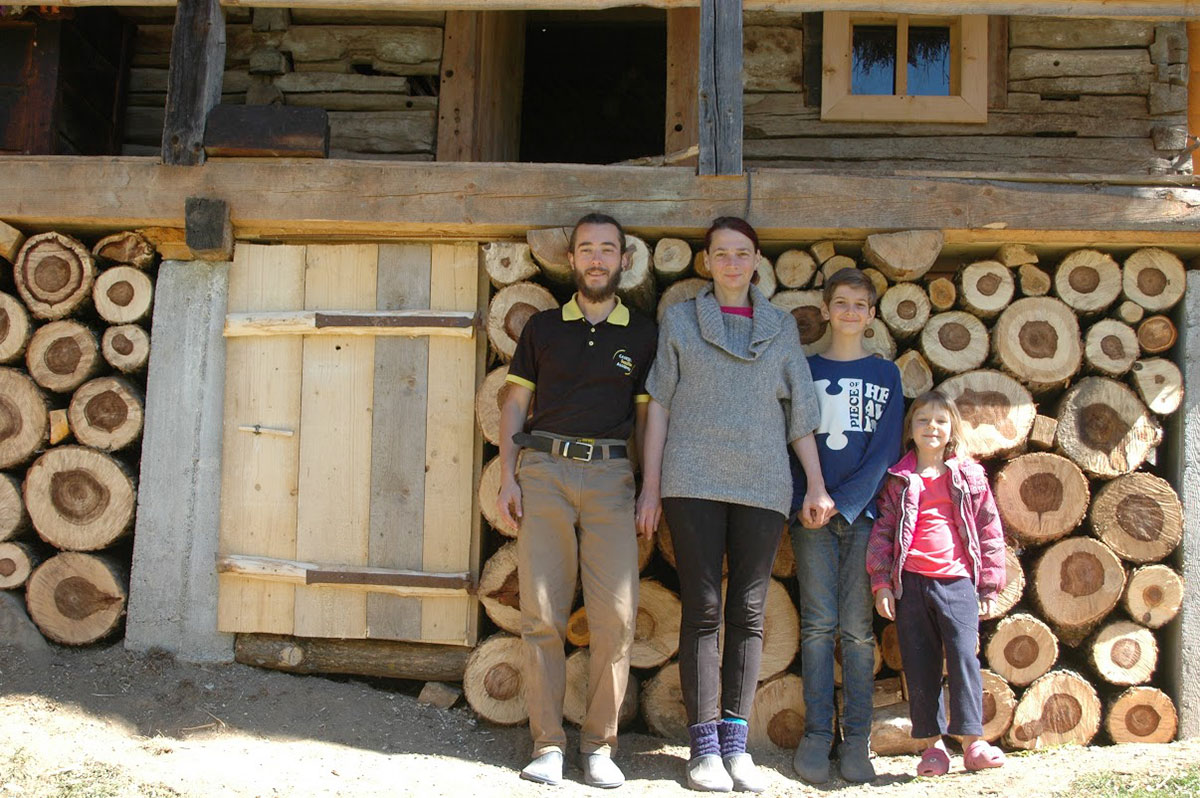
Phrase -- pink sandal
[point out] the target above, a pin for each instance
(981, 755)
(934, 762)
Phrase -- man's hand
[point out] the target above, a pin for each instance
(508, 502)
(987, 606)
(885, 603)
(648, 512)
(817, 509)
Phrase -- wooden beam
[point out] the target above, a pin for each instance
(1193, 101)
(411, 323)
(720, 99)
(360, 577)
(208, 228)
(386, 658)
(1163, 9)
(296, 199)
(193, 80)
(479, 108)
(683, 76)
(270, 131)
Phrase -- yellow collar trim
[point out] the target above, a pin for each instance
(618, 316)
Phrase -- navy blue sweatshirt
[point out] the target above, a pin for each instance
(862, 417)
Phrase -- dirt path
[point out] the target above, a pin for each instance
(149, 726)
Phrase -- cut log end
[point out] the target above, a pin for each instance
(15, 328)
(1153, 278)
(1154, 595)
(1088, 281)
(955, 342)
(126, 348)
(24, 418)
(123, 295)
(1037, 340)
(1021, 649)
(63, 355)
(76, 599)
(1041, 497)
(79, 499)
(494, 680)
(54, 274)
(1142, 715)
(500, 589)
(1104, 428)
(509, 311)
(1076, 583)
(508, 262)
(997, 411)
(1060, 708)
(106, 413)
(985, 288)
(1123, 653)
(1139, 516)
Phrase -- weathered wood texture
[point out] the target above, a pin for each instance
(345, 199)
(1094, 95)
(720, 107)
(197, 60)
(307, 417)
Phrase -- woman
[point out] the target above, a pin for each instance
(730, 388)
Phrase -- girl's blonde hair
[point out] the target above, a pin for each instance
(956, 446)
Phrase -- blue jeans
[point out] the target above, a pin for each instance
(835, 593)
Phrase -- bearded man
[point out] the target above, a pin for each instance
(583, 368)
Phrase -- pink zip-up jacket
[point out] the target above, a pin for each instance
(977, 523)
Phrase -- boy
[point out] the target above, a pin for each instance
(862, 412)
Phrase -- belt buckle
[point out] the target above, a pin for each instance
(568, 448)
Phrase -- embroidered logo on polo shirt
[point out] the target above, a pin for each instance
(623, 361)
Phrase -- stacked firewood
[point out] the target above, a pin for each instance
(1063, 377)
(74, 344)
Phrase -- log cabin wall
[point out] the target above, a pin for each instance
(375, 73)
(1080, 96)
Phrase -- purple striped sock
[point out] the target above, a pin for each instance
(733, 737)
(704, 739)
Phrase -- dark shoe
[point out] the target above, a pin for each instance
(545, 769)
(811, 761)
(854, 761)
(707, 773)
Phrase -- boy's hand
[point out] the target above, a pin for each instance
(987, 606)
(885, 603)
(817, 509)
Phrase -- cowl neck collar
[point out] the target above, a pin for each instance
(766, 323)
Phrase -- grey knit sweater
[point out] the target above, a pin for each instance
(738, 390)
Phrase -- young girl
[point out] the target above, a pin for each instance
(936, 562)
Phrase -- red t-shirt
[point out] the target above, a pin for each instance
(936, 549)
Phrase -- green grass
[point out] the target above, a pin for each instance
(20, 776)
(1182, 784)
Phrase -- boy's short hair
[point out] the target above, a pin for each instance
(852, 278)
(596, 218)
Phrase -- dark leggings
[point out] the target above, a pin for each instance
(705, 533)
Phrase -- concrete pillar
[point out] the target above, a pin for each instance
(1182, 652)
(173, 590)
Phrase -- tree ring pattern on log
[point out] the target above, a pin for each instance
(54, 274)
(907, 310)
(1042, 493)
(1111, 345)
(1142, 720)
(1152, 596)
(1151, 282)
(1081, 574)
(986, 408)
(1039, 339)
(1140, 517)
(106, 410)
(502, 682)
(122, 344)
(8, 566)
(51, 275)
(954, 336)
(989, 707)
(63, 356)
(3, 323)
(120, 293)
(11, 421)
(1101, 427)
(77, 598)
(988, 284)
(1126, 653)
(1021, 651)
(810, 323)
(786, 729)
(1085, 279)
(516, 318)
(78, 496)
(24, 420)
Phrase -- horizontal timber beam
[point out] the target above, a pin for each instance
(410, 323)
(1162, 9)
(355, 577)
(317, 200)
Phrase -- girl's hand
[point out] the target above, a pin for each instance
(648, 512)
(987, 606)
(885, 603)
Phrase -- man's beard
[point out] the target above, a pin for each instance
(600, 294)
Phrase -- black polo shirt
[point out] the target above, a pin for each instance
(585, 378)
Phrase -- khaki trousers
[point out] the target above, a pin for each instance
(578, 519)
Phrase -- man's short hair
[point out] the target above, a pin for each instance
(852, 278)
(596, 218)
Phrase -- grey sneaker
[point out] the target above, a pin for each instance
(545, 769)
(746, 777)
(854, 760)
(707, 773)
(811, 761)
(600, 771)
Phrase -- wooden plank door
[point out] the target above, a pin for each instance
(350, 460)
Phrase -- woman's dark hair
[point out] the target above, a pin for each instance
(734, 223)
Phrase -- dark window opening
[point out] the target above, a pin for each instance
(595, 91)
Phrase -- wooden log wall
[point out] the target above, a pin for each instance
(1080, 96)
(375, 74)
(1068, 437)
(74, 344)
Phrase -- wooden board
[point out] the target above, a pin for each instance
(333, 507)
(259, 472)
(398, 441)
(451, 461)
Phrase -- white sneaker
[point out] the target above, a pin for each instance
(545, 769)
